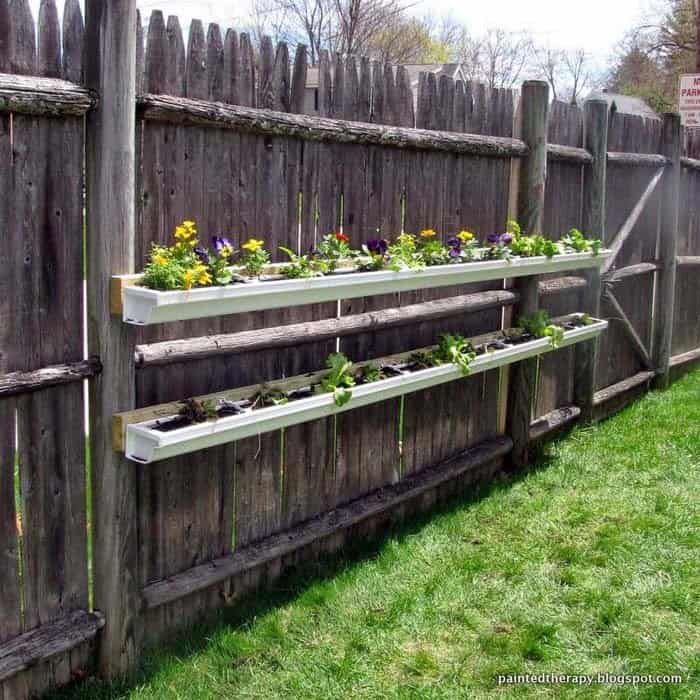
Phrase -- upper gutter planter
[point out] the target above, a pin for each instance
(143, 441)
(142, 306)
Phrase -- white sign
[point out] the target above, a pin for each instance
(689, 105)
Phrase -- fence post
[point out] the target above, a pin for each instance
(110, 69)
(668, 240)
(595, 115)
(534, 107)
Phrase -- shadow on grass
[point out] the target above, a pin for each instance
(293, 583)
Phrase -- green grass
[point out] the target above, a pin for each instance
(586, 564)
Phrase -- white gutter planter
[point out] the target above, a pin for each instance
(143, 306)
(145, 444)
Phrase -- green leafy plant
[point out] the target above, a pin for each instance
(423, 359)
(457, 350)
(430, 250)
(254, 257)
(513, 228)
(576, 241)
(368, 374)
(539, 325)
(267, 396)
(303, 266)
(531, 246)
(404, 254)
(335, 247)
(186, 264)
(339, 380)
(435, 253)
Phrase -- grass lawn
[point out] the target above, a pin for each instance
(588, 563)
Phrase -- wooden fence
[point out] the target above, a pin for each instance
(155, 130)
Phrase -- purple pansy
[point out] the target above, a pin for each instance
(500, 239)
(202, 253)
(377, 246)
(219, 243)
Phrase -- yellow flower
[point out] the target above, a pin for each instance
(252, 245)
(465, 236)
(203, 278)
(427, 233)
(160, 259)
(226, 251)
(188, 279)
(185, 233)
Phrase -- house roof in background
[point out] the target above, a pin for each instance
(625, 104)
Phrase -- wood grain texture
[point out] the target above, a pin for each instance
(110, 67)
(10, 601)
(272, 548)
(41, 343)
(43, 96)
(196, 112)
(168, 352)
(15, 383)
(19, 38)
(593, 220)
(625, 185)
(73, 35)
(531, 201)
(32, 648)
(671, 145)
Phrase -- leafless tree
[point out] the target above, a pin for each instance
(579, 73)
(267, 18)
(341, 26)
(498, 58)
(359, 23)
(548, 65)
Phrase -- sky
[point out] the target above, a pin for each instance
(596, 25)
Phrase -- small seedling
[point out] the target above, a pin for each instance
(457, 350)
(304, 266)
(368, 374)
(339, 380)
(538, 324)
(197, 411)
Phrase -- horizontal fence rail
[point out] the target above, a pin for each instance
(50, 97)
(184, 111)
(16, 383)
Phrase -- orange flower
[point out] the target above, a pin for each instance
(341, 237)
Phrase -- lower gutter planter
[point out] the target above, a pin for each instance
(142, 443)
(142, 306)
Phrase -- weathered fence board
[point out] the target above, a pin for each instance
(625, 185)
(686, 328)
(562, 212)
(43, 529)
